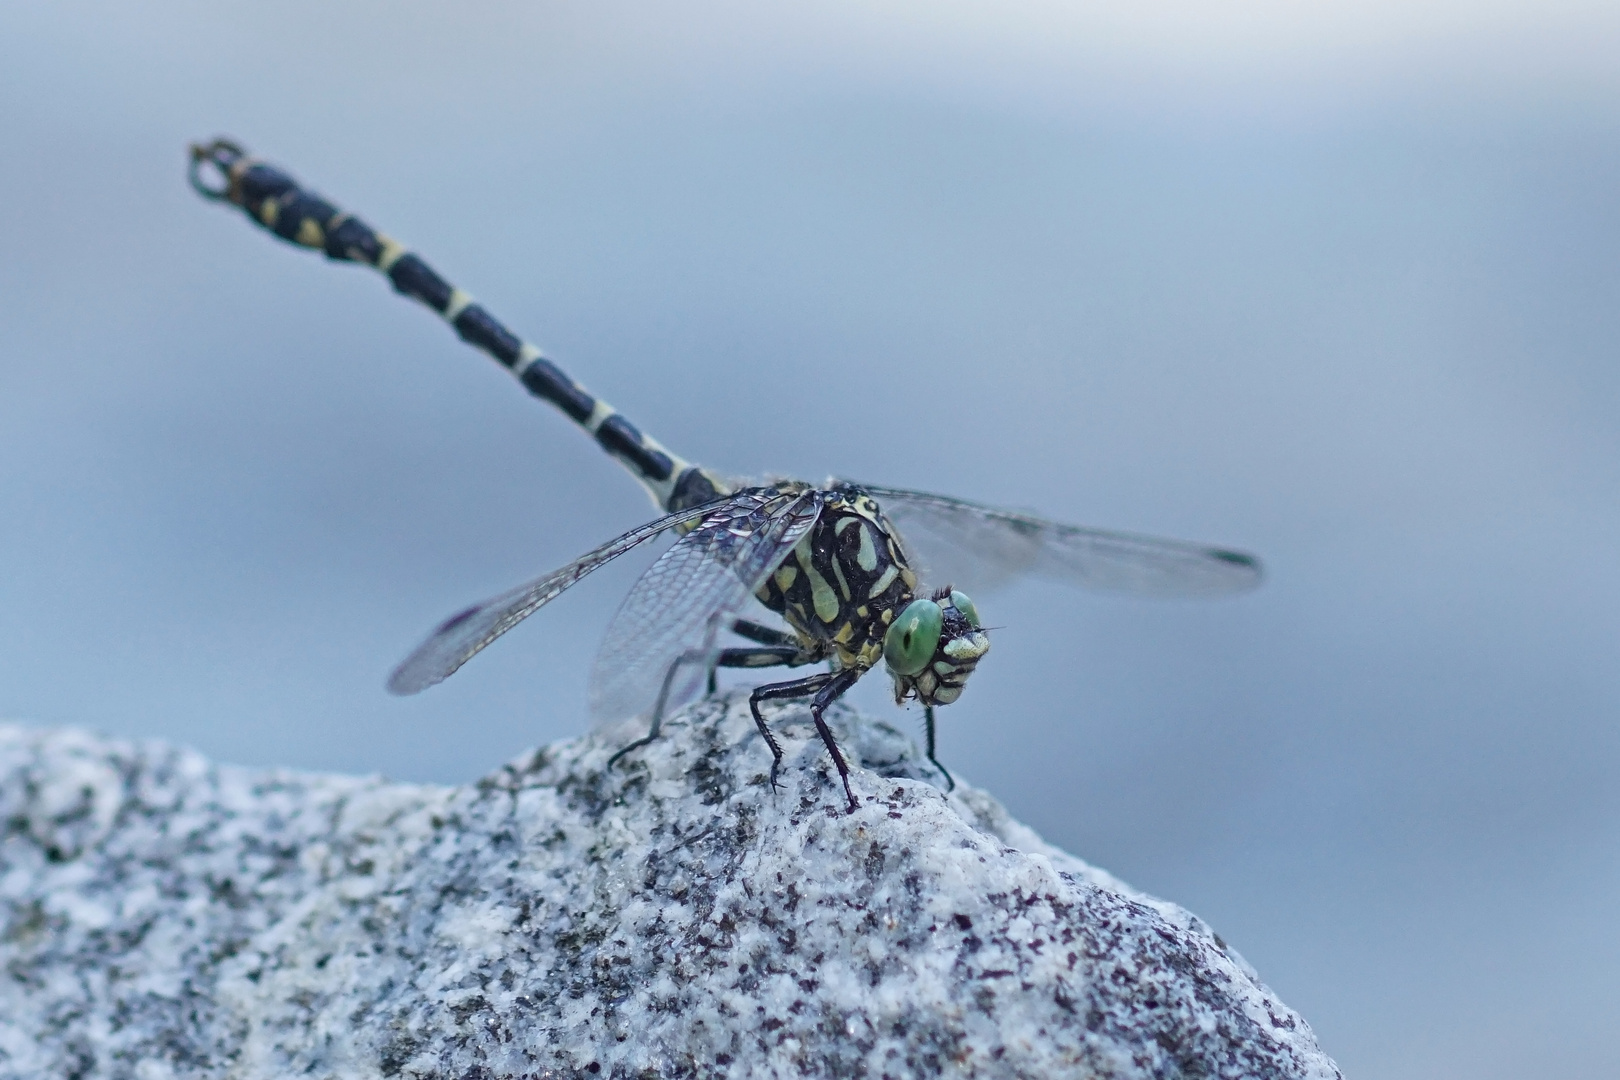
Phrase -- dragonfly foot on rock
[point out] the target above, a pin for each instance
(760, 694)
(637, 745)
(838, 758)
(691, 656)
(928, 724)
(826, 688)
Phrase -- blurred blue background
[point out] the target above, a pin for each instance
(1335, 284)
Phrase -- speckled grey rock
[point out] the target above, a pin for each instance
(165, 917)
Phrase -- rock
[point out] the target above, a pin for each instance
(671, 916)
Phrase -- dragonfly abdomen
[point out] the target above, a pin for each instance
(275, 201)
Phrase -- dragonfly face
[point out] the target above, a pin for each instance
(933, 646)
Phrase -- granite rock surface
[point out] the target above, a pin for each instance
(671, 916)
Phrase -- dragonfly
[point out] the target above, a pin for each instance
(839, 563)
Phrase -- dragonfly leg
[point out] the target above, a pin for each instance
(928, 723)
(763, 656)
(781, 644)
(637, 745)
(827, 688)
(794, 655)
(797, 688)
(765, 635)
(834, 690)
(691, 656)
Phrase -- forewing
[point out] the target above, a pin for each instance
(462, 636)
(978, 547)
(681, 602)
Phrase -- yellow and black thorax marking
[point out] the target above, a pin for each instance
(844, 583)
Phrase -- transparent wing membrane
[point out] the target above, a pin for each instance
(688, 595)
(464, 635)
(952, 541)
(683, 600)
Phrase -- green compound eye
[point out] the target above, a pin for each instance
(960, 601)
(911, 640)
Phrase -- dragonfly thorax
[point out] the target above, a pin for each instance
(844, 583)
(846, 587)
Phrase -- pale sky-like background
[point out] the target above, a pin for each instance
(1336, 283)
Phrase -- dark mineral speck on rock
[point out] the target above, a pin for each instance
(669, 917)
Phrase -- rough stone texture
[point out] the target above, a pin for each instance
(167, 917)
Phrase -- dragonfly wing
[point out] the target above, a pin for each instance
(682, 601)
(465, 634)
(949, 544)
(978, 547)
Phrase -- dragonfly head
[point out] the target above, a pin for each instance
(933, 647)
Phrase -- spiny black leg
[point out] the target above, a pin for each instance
(765, 635)
(810, 684)
(766, 656)
(842, 681)
(691, 656)
(793, 655)
(762, 656)
(783, 644)
(636, 745)
(928, 722)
